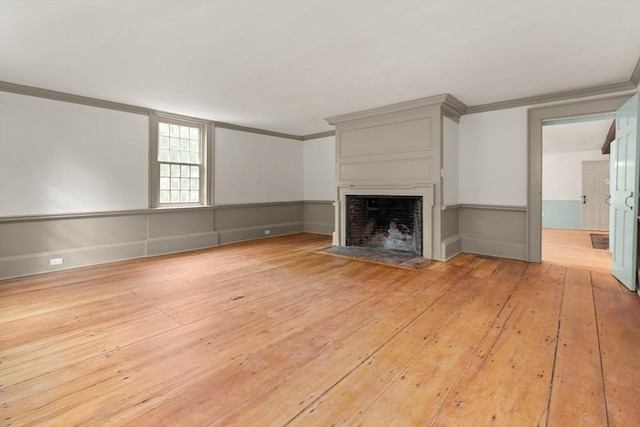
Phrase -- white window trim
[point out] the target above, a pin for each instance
(207, 172)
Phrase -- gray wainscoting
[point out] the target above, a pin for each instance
(235, 223)
(27, 244)
(182, 230)
(319, 216)
(451, 239)
(494, 230)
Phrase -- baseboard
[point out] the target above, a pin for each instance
(497, 248)
(319, 228)
(37, 263)
(252, 233)
(166, 245)
(451, 247)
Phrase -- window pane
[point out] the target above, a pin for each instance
(179, 146)
(163, 128)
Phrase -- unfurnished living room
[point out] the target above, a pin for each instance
(318, 213)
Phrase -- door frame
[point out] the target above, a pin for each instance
(536, 116)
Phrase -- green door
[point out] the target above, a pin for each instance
(625, 183)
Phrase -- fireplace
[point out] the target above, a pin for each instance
(389, 222)
(392, 217)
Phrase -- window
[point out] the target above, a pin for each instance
(179, 159)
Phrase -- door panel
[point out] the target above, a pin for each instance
(625, 183)
(595, 191)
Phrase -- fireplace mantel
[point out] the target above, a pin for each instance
(397, 150)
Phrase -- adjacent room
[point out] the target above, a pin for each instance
(575, 192)
(313, 213)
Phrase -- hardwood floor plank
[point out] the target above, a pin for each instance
(419, 390)
(341, 403)
(271, 332)
(508, 379)
(618, 316)
(347, 353)
(577, 396)
(572, 248)
(136, 360)
(327, 333)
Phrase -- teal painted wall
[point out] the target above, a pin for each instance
(561, 214)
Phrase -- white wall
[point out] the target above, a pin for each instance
(493, 158)
(58, 157)
(562, 174)
(319, 162)
(253, 168)
(451, 155)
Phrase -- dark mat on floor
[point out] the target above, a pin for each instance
(379, 254)
(600, 241)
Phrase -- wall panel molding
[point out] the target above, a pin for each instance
(494, 230)
(28, 243)
(319, 216)
(493, 207)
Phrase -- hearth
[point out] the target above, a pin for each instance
(384, 221)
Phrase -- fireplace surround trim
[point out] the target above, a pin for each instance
(426, 191)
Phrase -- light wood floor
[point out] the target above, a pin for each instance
(273, 333)
(573, 248)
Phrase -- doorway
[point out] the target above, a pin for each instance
(575, 187)
(536, 118)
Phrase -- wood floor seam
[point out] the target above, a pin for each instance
(271, 333)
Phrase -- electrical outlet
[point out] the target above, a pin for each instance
(267, 232)
(55, 261)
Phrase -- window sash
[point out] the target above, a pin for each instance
(158, 196)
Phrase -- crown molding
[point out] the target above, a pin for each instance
(68, 97)
(453, 108)
(319, 135)
(635, 76)
(258, 131)
(128, 108)
(452, 105)
(553, 97)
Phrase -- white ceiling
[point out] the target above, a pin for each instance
(572, 137)
(285, 66)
